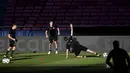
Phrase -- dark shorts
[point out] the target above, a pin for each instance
(12, 43)
(79, 49)
(68, 44)
(53, 38)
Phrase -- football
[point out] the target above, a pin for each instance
(105, 54)
(5, 60)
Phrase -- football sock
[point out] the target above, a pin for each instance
(56, 49)
(12, 53)
(7, 52)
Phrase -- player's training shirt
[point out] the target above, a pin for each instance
(52, 31)
(119, 56)
(74, 45)
(12, 33)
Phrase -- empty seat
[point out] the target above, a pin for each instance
(42, 4)
(60, 14)
(48, 4)
(19, 22)
(34, 14)
(77, 14)
(42, 18)
(84, 22)
(48, 7)
(17, 14)
(19, 8)
(9, 11)
(66, 22)
(44, 14)
(20, 18)
(8, 23)
(37, 10)
(30, 22)
(20, 11)
(59, 18)
(76, 22)
(58, 22)
(32, 18)
(69, 18)
(52, 14)
(53, 10)
(38, 7)
(28, 10)
(40, 22)
(8, 18)
(56, 7)
(26, 14)
(69, 14)
(78, 18)
(29, 7)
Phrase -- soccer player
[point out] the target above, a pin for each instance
(53, 37)
(120, 59)
(74, 46)
(12, 40)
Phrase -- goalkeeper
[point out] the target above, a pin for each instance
(74, 46)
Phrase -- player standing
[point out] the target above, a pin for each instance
(12, 40)
(53, 37)
(74, 46)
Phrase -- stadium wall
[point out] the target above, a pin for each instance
(40, 44)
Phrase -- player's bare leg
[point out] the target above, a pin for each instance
(95, 53)
(90, 51)
(56, 46)
(50, 44)
(13, 49)
(6, 55)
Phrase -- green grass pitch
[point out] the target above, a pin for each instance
(43, 59)
(53, 60)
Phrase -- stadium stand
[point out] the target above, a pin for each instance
(82, 13)
(79, 12)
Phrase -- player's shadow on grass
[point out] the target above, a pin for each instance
(32, 56)
(22, 58)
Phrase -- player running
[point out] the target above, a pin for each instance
(74, 46)
(53, 37)
(12, 40)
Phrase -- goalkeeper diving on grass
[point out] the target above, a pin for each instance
(75, 47)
